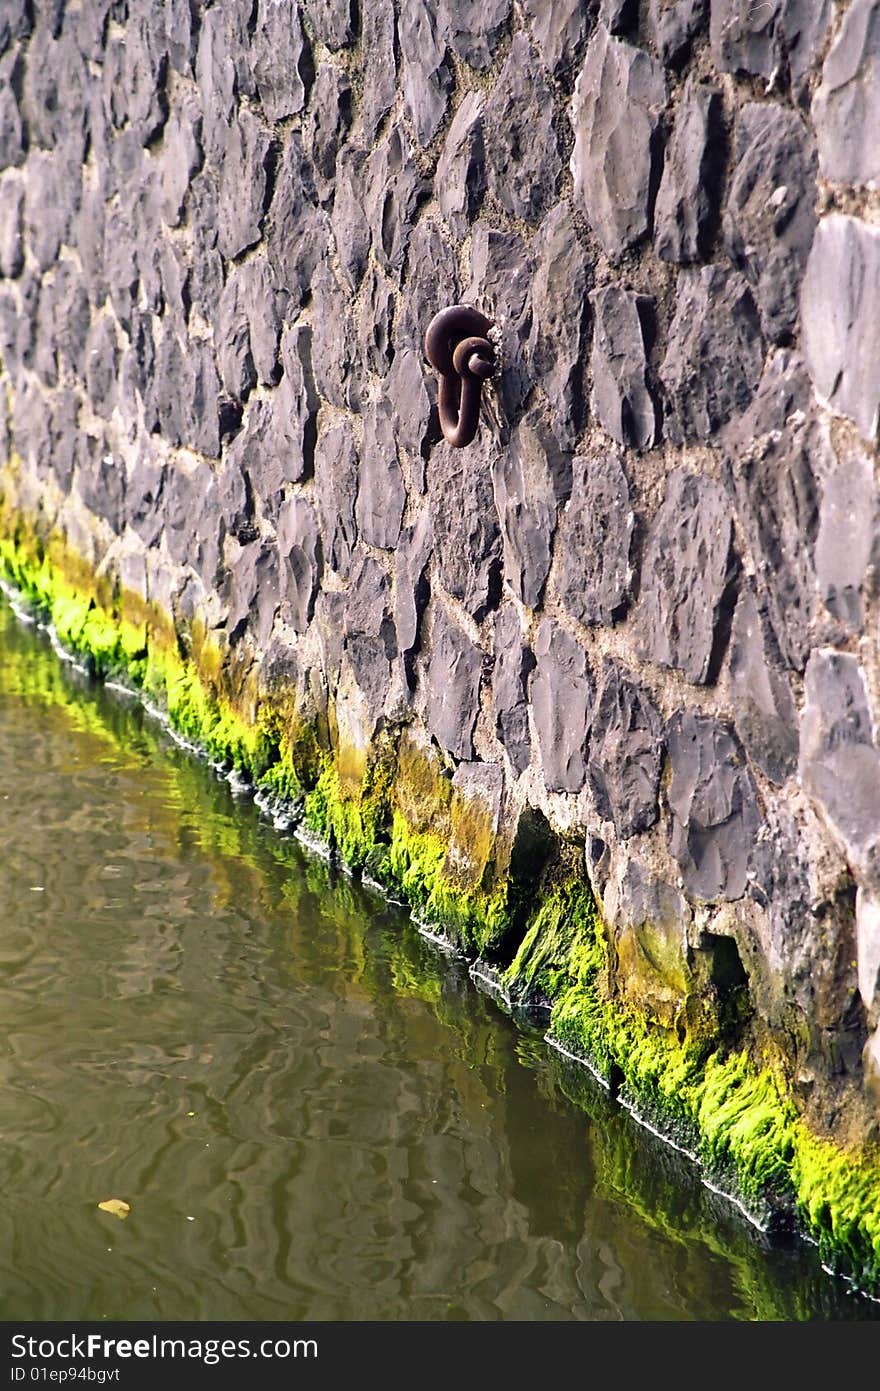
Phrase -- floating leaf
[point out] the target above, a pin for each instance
(119, 1208)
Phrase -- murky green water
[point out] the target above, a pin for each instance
(311, 1111)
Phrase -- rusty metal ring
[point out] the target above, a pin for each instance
(458, 348)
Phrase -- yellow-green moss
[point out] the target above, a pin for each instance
(393, 812)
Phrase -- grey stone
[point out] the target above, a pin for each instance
(763, 705)
(672, 25)
(715, 815)
(714, 354)
(299, 547)
(51, 203)
(243, 185)
(16, 22)
(232, 340)
(620, 397)
(13, 133)
(367, 604)
(31, 435)
(143, 497)
(557, 337)
(560, 29)
(351, 230)
(181, 157)
(407, 389)
(88, 238)
(431, 284)
(329, 119)
(64, 429)
(411, 586)
(769, 219)
(334, 357)
(427, 76)
(11, 222)
(839, 762)
(474, 31)
(251, 590)
(297, 402)
(687, 572)
(759, 39)
(626, 751)
(180, 35)
(840, 318)
(514, 662)
(532, 476)
(452, 683)
(467, 543)
(381, 495)
(136, 375)
(336, 484)
(847, 539)
(523, 163)
(561, 692)
(296, 230)
(393, 191)
(375, 323)
(592, 573)
(460, 181)
(334, 21)
(100, 480)
(617, 15)
(775, 456)
(380, 69)
(846, 107)
(192, 525)
(281, 60)
(53, 98)
(134, 73)
(687, 196)
(221, 39)
(102, 365)
(648, 907)
(618, 97)
(501, 274)
(201, 387)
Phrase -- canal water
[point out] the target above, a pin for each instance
(311, 1111)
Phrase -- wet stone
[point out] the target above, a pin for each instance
(336, 482)
(243, 185)
(532, 476)
(687, 571)
(474, 31)
(847, 539)
(839, 761)
(840, 319)
(381, 495)
(620, 399)
(560, 29)
(685, 198)
(626, 750)
(561, 692)
(618, 97)
(763, 705)
(460, 181)
(299, 549)
(514, 663)
(592, 574)
(846, 108)
(672, 25)
(523, 162)
(380, 72)
(556, 345)
(467, 542)
(329, 119)
(714, 355)
(775, 456)
(428, 75)
(769, 219)
(715, 816)
(281, 61)
(452, 685)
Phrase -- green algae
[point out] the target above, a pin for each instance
(392, 813)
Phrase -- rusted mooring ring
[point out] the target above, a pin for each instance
(458, 347)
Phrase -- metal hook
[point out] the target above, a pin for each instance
(458, 347)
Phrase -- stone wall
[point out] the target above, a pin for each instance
(637, 619)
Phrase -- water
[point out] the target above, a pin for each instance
(312, 1111)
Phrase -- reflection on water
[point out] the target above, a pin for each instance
(312, 1112)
